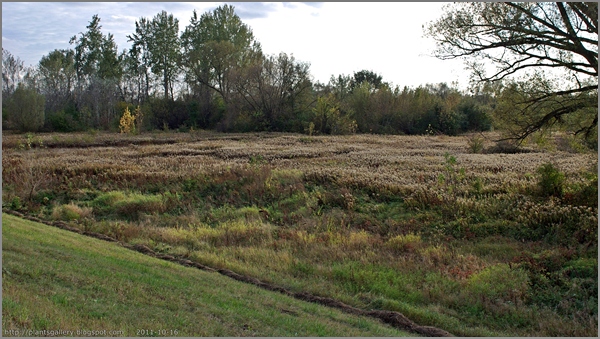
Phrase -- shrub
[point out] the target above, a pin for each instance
(70, 212)
(108, 199)
(551, 181)
(475, 143)
(61, 121)
(328, 118)
(127, 122)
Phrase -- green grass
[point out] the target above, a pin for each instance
(53, 279)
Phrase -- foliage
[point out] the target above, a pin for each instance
(215, 47)
(278, 87)
(26, 109)
(99, 71)
(95, 53)
(70, 212)
(551, 181)
(57, 76)
(229, 85)
(127, 122)
(156, 46)
(328, 119)
(165, 112)
(499, 283)
(374, 80)
(12, 69)
(475, 143)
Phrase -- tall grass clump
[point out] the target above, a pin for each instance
(498, 284)
(71, 212)
(128, 206)
(404, 243)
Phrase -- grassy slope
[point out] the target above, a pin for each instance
(56, 280)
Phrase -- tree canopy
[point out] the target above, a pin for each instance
(217, 45)
(533, 41)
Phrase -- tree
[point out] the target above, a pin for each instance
(156, 47)
(216, 46)
(57, 75)
(274, 88)
(328, 119)
(95, 53)
(12, 73)
(137, 60)
(165, 49)
(26, 109)
(532, 40)
(373, 79)
(99, 70)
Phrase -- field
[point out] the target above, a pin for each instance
(452, 232)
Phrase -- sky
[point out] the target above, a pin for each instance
(333, 37)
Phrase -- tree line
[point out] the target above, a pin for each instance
(214, 75)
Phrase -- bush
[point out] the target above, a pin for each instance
(127, 122)
(62, 121)
(25, 109)
(476, 116)
(165, 112)
(329, 120)
(551, 181)
(475, 143)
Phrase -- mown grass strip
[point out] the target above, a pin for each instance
(55, 280)
(395, 319)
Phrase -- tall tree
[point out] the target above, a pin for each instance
(12, 73)
(99, 70)
(137, 61)
(57, 75)
(527, 39)
(164, 49)
(216, 46)
(95, 53)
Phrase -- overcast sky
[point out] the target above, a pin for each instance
(335, 38)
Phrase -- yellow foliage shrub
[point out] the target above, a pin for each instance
(127, 122)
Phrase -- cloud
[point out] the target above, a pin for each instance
(254, 10)
(313, 4)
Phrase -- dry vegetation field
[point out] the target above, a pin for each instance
(477, 244)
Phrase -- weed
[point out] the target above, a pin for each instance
(475, 143)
